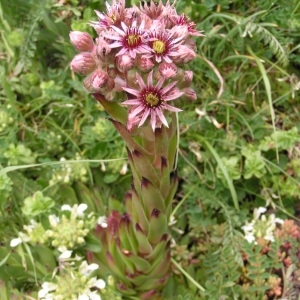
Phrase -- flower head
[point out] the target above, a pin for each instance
(84, 287)
(130, 39)
(114, 15)
(151, 100)
(183, 21)
(261, 226)
(163, 46)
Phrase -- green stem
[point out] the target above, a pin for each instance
(187, 275)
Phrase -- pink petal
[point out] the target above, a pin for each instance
(167, 59)
(144, 117)
(132, 53)
(113, 37)
(136, 111)
(162, 117)
(153, 119)
(132, 102)
(118, 30)
(132, 91)
(168, 87)
(115, 45)
(170, 108)
(158, 58)
(121, 52)
(173, 96)
(124, 26)
(159, 84)
(150, 79)
(140, 81)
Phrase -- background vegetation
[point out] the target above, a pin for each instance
(239, 145)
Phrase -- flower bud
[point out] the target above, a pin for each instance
(124, 62)
(188, 77)
(95, 81)
(145, 64)
(190, 94)
(103, 48)
(167, 70)
(83, 63)
(109, 85)
(82, 41)
(185, 55)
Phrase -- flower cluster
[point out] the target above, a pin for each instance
(261, 226)
(70, 171)
(139, 53)
(73, 282)
(66, 231)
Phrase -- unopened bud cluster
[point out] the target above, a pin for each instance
(51, 140)
(70, 171)
(139, 51)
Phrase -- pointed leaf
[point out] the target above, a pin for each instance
(158, 226)
(113, 108)
(144, 246)
(152, 198)
(141, 265)
(159, 249)
(138, 214)
(127, 137)
(145, 168)
(165, 177)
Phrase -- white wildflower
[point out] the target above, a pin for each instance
(261, 226)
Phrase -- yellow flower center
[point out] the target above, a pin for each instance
(152, 99)
(113, 18)
(133, 40)
(159, 47)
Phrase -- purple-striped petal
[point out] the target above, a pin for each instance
(153, 119)
(173, 96)
(136, 111)
(144, 117)
(162, 117)
(170, 108)
(132, 91)
(132, 102)
(168, 87)
(140, 81)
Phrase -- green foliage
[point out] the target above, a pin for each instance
(240, 152)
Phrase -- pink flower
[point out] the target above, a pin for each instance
(151, 100)
(182, 20)
(184, 55)
(115, 14)
(131, 39)
(162, 46)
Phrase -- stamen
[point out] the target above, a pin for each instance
(133, 40)
(159, 47)
(152, 99)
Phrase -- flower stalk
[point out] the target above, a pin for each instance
(138, 58)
